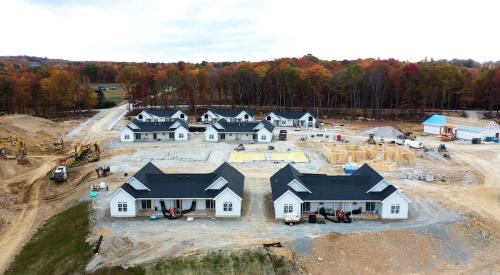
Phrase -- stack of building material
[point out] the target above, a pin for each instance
(343, 153)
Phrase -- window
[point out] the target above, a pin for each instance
(228, 206)
(209, 204)
(370, 207)
(230, 135)
(148, 120)
(211, 136)
(122, 207)
(140, 117)
(182, 116)
(181, 135)
(127, 136)
(283, 122)
(146, 204)
(263, 137)
(171, 135)
(155, 120)
(395, 208)
(288, 208)
(268, 118)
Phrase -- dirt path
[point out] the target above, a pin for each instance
(28, 185)
(16, 235)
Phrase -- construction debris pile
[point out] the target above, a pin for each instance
(382, 158)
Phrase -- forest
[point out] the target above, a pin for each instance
(306, 83)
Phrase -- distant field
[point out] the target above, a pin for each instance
(115, 96)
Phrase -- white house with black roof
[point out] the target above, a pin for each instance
(240, 131)
(302, 193)
(170, 130)
(161, 115)
(293, 119)
(242, 115)
(219, 193)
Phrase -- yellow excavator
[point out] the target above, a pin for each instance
(20, 149)
(371, 139)
(87, 153)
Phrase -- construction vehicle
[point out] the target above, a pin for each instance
(447, 137)
(413, 144)
(4, 142)
(239, 148)
(293, 218)
(371, 139)
(59, 146)
(60, 174)
(102, 171)
(282, 135)
(21, 151)
(442, 148)
(407, 135)
(89, 152)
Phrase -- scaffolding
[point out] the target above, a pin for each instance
(385, 157)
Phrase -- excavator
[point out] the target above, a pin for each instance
(20, 149)
(407, 135)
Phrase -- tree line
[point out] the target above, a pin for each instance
(306, 83)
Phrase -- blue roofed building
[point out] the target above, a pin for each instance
(462, 128)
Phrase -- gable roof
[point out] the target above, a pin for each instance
(163, 112)
(164, 126)
(231, 113)
(293, 115)
(179, 185)
(242, 127)
(328, 188)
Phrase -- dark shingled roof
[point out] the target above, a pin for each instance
(178, 186)
(242, 127)
(324, 187)
(165, 126)
(163, 112)
(232, 113)
(293, 115)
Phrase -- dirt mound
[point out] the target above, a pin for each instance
(383, 132)
(38, 133)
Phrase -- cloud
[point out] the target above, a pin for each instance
(222, 30)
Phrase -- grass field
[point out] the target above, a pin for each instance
(255, 261)
(114, 96)
(59, 246)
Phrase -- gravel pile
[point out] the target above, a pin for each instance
(383, 132)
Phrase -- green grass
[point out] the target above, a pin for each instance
(59, 246)
(255, 261)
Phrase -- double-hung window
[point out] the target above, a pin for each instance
(122, 207)
(228, 206)
(395, 208)
(288, 208)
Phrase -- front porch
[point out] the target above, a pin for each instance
(189, 207)
(360, 210)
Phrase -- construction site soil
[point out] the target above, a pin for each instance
(453, 223)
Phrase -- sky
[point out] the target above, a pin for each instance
(220, 30)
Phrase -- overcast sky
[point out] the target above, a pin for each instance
(219, 30)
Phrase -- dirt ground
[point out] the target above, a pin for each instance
(453, 224)
(28, 197)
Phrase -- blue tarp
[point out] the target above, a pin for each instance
(436, 120)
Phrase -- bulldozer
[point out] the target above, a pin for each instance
(59, 145)
(86, 153)
(371, 140)
(102, 171)
(407, 135)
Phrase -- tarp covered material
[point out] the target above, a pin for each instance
(383, 132)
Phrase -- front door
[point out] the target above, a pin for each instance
(254, 136)
(171, 135)
(497, 135)
(178, 204)
(137, 136)
(222, 136)
(154, 136)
